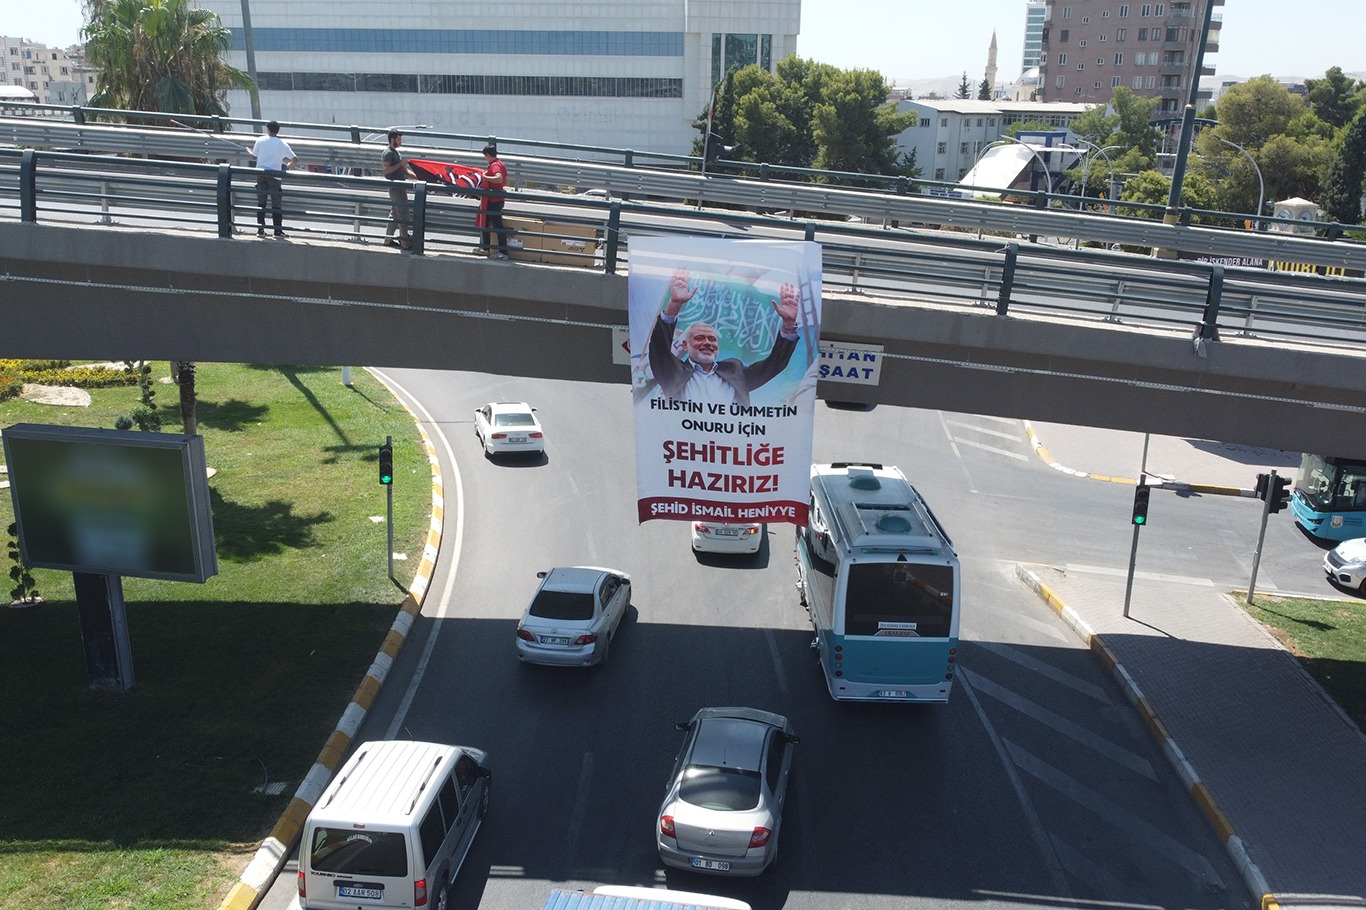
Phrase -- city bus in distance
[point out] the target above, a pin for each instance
(1330, 497)
(878, 575)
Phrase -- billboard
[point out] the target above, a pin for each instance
(724, 338)
(112, 502)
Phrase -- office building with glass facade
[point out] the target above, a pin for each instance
(621, 73)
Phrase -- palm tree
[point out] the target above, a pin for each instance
(160, 55)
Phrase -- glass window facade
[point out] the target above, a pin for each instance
(538, 86)
(465, 41)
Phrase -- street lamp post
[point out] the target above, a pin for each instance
(1261, 184)
(250, 47)
(1086, 167)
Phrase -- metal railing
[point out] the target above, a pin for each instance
(955, 268)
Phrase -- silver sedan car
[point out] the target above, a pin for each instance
(573, 616)
(724, 802)
(508, 427)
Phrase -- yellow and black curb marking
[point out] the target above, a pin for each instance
(1204, 799)
(1207, 489)
(274, 851)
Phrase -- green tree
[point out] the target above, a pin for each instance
(1154, 188)
(854, 127)
(964, 88)
(1252, 112)
(984, 90)
(1340, 198)
(160, 55)
(1334, 98)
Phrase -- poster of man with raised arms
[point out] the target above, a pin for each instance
(724, 360)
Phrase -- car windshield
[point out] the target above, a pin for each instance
(726, 789)
(562, 605)
(513, 420)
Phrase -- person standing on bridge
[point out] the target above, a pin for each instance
(490, 217)
(273, 156)
(396, 168)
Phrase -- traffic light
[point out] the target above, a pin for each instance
(1279, 494)
(1141, 494)
(386, 464)
(1263, 484)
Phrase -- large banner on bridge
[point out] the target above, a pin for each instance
(725, 356)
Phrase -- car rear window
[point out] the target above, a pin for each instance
(513, 420)
(727, 789)
(562, 605)
(349, 852)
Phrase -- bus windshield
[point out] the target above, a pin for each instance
(1331, 485)
(899, 599)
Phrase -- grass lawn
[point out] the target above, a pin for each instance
(150, 799)
(1329, 639)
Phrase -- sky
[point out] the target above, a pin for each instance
(928, 39)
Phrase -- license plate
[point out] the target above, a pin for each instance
(726, 532)
(373, 894)
(554, 640)
(717, 865)
(517, 440)
(892, 693)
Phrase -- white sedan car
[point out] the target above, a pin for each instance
(726, 537)
(505, 427)
(573, 616)
(1346, 564)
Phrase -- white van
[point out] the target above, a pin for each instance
(393, 827)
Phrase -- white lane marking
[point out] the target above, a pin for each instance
(953, 445)
(443, 605)
(1036, 828)
(580, 809)
(981, 445)
(1098, 877)
(1033, 664)
(1060, 724)
(1120, 818)
(777, 661)
(1147, 576)
(1012, 421)
(973, 428)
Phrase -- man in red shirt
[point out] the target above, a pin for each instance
(491, 205)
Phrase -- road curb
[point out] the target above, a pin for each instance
(274, 851)
(1253, 879)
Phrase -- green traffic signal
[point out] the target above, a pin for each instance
(386, 464)
(1141, 495)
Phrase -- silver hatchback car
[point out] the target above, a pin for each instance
(573, 616)
(724, 803)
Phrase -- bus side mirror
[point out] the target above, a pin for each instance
(683, 726)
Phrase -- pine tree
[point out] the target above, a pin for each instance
(984, 90)
(964, 88)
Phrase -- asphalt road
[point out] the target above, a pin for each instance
(1036, 785)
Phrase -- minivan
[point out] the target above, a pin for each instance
(393, 827)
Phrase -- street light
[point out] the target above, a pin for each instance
(1261, 184)
(1086, 167)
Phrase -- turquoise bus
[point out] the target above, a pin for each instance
(1330, 497)
(880, 579)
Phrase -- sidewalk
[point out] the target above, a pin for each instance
(1275, 766)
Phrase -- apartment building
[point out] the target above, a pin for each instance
(1090, 47)
(54, 75)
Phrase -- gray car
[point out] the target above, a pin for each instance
(724, 804)
(573, 616)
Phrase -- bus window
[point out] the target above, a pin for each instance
(899, 598)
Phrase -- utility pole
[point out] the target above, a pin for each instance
(1172, 214)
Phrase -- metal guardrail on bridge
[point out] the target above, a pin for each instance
(891, 206)
(942, 267)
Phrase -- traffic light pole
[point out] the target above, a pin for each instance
(389, 495)
(1133, 548)
(1261, 535)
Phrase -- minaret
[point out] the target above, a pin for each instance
(991, 63)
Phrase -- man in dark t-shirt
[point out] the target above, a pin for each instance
(396, 169)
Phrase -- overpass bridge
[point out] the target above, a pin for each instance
(104, 258)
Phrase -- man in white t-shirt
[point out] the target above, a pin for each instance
(273, 156)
